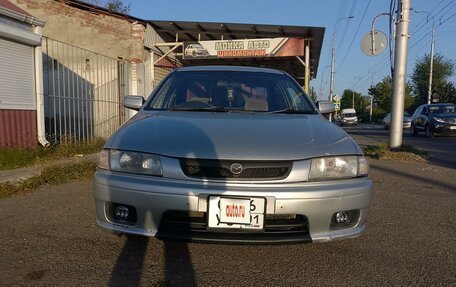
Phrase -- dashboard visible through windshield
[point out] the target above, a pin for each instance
(230, 91)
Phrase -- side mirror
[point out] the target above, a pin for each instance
(133, 102)
(325, 107)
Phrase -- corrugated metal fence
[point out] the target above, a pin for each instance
(83, 93)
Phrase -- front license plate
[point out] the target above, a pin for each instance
(452, 127)
(236, 212)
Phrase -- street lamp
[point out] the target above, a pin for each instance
(432, 54)
(331, 85)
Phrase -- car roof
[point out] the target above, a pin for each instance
(229, 68)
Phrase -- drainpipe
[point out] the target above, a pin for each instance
(39, 92)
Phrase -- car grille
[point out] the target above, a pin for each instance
(192, 226)
(450, 121)
(222, 170)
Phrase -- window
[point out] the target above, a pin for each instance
(230, 91)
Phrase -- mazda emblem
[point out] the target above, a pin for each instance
(236, 168)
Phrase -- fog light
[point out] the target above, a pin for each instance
(345, 219)
(342, 217)
(122, 212)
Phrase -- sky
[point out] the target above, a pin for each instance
(353, 69)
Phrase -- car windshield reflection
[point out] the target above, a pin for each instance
(230, 92)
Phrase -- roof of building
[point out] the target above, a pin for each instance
(13, 7)
(192, 31)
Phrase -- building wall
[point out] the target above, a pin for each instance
(100, 33)
(18, 126)
(18, 129)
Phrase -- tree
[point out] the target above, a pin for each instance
(313, 94)
(361, 103)
(112, 5)
(118, 6)
(443, 69)
(383, 92)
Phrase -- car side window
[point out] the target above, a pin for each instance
(424, 111)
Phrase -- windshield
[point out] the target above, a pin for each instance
(441, 109)
(230, 91)
(349, 115)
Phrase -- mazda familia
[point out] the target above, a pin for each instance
(234, 155)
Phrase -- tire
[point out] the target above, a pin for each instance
(413, 131)
(427, 131)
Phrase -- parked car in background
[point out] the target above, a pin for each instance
(434, 119)
(406, 123)
(232, 154)
(348, 117)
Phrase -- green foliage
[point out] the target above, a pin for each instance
(118, 6)
(313, 94)
(441, 86)
(361, 103)
(50, 175)
(383, 92)
(112, 5)
(404, 152)
(15, 158)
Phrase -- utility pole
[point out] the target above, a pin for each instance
(432, 53)
(370, 113)
(400, 72)
(331, 85)
(353, 98)
(432, 63)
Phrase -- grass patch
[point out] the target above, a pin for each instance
(49, 176)
(405, 152)
(16, 158)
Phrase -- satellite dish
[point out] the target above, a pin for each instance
(378, 46)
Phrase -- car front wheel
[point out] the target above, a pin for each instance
(413, 131)
(428, 131)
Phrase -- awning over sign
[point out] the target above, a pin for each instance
(194, 32)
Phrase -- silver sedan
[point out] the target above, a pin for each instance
(406, 123)
(232, 154)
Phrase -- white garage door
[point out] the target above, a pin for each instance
(17, 79)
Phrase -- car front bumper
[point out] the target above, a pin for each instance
(443, 128)
(153, 197)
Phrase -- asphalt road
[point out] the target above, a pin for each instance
(49, 237)
(442, 148)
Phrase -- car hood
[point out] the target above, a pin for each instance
(246, 136)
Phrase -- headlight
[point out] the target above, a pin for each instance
(135, 162)
(326, 168)
(438, 119)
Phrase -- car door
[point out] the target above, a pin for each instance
(422, 117)
(416, 115)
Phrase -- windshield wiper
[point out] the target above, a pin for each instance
(292, 111)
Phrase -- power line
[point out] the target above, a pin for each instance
(354, 36)
(379, 65)
(347, 24)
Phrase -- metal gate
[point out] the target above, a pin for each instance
(83, 93)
